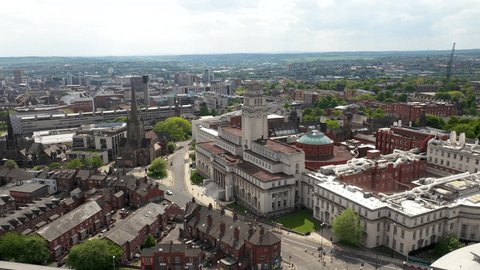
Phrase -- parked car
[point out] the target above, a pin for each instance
(169, 192)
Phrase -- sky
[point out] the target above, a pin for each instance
(166, 27)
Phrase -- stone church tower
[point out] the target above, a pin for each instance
(254, 116)
(136, 150)
(135, 131)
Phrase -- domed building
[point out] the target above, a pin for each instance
(316, 145)
(320, 150)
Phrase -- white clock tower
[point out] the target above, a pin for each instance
(254, 116)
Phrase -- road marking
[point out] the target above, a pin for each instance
(288, 240)
(370, 262)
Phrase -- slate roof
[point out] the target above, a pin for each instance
(27, 187)
(128, 230)
(68, 221)
(169, 248)
(228, 237)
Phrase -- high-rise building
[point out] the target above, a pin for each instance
(139, 86)
(18, 76)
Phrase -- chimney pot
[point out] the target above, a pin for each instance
(236, 233)
(209, 220)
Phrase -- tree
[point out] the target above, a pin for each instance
(94, 254)
(196, 178)
(378, 113)
(435, 121)
(204, 110)
(177, 127)
(11, 164)
(149, 242)
(447, 244)
(171, 147)
(21, 248)
(94, 162)
(75, 163)
(332, 124)
(158, 168)
(36, 250)
(346, 227)
(240, 91)
(192, 156)
(54, 165)
(402, 97)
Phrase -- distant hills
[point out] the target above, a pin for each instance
(237, 57)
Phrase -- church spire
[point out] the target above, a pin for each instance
(11, 138)
(135, 132)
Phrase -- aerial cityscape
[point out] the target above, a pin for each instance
(240, 135)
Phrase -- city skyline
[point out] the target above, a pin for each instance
(58, 28)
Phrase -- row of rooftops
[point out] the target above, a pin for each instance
(68, 221)
(128, 230)
(29, 212)
(430, 195)
(228, 230)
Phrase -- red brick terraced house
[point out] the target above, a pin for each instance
(132, 232)
(73, 228)
(234, 244)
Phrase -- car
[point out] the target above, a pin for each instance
(169, 192)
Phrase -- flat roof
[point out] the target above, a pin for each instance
(466, 258)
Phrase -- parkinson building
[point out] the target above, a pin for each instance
(262, 174)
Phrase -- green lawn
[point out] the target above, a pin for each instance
(299, 221)
(237, 207)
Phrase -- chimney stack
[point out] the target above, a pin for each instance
(210, 206)
(236, 233)
(222, 229)
(262, 231)
(209, 220)
(250, 229)
(235, 217)
(461, 139)
(222, 211)
(197, 216)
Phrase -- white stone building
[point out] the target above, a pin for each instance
(409, 220)
(262, 174)
(454, 155)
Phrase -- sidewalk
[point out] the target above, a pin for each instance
(196, 191)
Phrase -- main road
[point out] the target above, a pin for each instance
(176, 164)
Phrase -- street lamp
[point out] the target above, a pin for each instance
(321, 234)
(113, 261)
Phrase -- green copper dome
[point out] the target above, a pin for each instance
(314, 137)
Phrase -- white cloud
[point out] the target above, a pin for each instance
(129, 27)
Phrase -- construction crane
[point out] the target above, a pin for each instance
(450, 62)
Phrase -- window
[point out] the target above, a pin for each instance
(402, 234)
